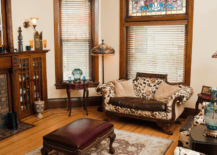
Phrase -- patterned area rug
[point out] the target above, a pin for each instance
(5, 133)
(126, 143)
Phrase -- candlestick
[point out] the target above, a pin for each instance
(31, 43)
(45, 43)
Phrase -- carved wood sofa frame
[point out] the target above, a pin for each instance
(164, 124)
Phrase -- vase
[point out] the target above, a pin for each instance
(39, 107)
(77, 73)
(210, 115)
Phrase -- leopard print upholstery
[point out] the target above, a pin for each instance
(108, 90)
(184, 151)
(146, 87)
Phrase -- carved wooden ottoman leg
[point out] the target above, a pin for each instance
(112, 139)
(45, 151)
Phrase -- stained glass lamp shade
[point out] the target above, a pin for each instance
(102, 49)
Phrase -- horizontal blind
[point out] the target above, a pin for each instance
(157, 49)
(76, 21)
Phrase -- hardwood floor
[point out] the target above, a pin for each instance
(56, 118)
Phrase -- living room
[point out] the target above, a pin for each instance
(107, 19)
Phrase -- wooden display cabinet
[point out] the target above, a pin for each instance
(32, 82)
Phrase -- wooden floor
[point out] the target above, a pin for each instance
(56, 118)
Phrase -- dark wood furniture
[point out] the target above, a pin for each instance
(77, 86)
(201, 143)
(28, 79)
(164, 124)
(32, 81)
(202, 98)
(79, 136)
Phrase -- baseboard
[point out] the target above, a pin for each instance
(188, 112)
(76, 102)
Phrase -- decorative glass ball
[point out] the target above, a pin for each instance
(77, 73)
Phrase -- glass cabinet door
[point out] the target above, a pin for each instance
(37, 78)
(24, 83)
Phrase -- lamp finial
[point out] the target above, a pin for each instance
(102, 41)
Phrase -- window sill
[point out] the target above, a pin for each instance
(90, 85)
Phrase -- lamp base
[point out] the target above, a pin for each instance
(99, 109)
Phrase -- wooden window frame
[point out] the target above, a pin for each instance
(57, 40)
(126, 20)
(7, 26)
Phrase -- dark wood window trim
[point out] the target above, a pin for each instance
(58, 55)
(7, 25)
(126, 20)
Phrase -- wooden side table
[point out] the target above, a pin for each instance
(201, 143)
(77, 86)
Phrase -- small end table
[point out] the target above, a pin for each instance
(201, 143)
(77, 86)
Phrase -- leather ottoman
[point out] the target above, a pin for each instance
(78, 137)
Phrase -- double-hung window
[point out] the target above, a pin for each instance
(75, 27)
(156, 38)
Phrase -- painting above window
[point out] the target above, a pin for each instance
(156, 7)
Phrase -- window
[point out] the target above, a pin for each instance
(156, 38)
(75, 26)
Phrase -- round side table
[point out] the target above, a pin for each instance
(201, 143)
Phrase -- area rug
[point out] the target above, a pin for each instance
(126, 143)
(5, 132)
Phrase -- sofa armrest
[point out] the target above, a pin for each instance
(107, 90)
(183, 95)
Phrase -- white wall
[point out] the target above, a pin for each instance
(110, 33)
(204, 70)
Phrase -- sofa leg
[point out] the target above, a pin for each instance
(178, 122)
(107, 119)
(165, 128)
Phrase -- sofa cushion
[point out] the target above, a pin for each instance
(138, 103)
(119, 89)
(165, 91)
(146, 87)
(124, 88)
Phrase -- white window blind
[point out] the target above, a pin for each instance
(156, 49)
(76, 21)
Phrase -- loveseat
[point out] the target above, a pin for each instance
(145, 86)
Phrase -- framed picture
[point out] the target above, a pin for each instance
(206, 90)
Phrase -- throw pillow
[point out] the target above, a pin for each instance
(119, 89)
(165, 91)
(124, 88)
(128, 87)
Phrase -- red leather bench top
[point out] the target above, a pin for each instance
(79, 134)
